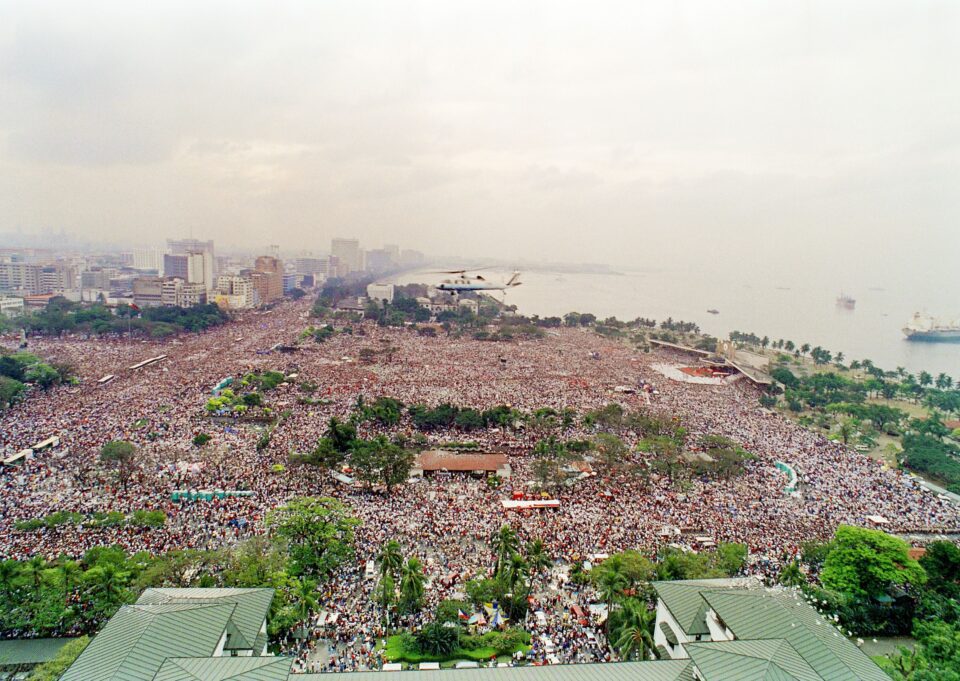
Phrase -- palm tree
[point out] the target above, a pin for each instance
(411, 585)
(9, 571)
(634, 636)
(35, 568)
(924, 379)
(805, 348)
(504, 543)
(537, 557)
(108, 581)
(943, 381)
(305, 592)
(791, 575)
(517, 571)
(386, 592)
(839, 358)
(611, 581)
(846, 430)
(69, 570)
(390, 559)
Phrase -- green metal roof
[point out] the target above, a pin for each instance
(30, 650)
(766, 660)
(252, 608)
(134, 643)
(660, 670)
(780, 613)
(687, 606)
(224, 669)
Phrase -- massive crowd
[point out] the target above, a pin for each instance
(447, 521)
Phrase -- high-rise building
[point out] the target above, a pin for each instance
(148, 259)
(148, 291)
(193, 246)
(57, 277)
(188, 245)
(195, 267)
(379, 260)
(175, 265)
(19, 277)
(180, 293)
(268, 278)
(235, 292)
(347, 251)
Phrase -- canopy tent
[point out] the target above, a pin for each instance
(523, 504)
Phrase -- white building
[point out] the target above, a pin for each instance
(148, 259)
(180, 293)
(235, 292)
(380, 292)
(348, 254)
(11, 306)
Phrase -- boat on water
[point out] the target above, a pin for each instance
(846, 302)
(712, 311)
(923, 327)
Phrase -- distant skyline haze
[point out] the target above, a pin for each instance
(804, 138)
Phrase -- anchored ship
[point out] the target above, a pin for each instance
(923, 327)
(845, 301)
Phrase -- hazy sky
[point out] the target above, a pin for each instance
(618, 132)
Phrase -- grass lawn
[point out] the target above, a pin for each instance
(394, 652)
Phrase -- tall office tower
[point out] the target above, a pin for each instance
(347, 252)
(379, 260)
(187, 246)
(175, 266)
(19, 277)
(148, 259)
(268, 278)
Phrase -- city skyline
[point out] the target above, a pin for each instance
(632, 132)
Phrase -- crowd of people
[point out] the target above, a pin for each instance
(447, 521)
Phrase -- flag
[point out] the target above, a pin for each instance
(462, 615)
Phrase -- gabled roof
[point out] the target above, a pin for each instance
(683, 599)
(252, 606)
(659, 670)
(224, 669)
(764, 660)
(134, 643)
(782, 613)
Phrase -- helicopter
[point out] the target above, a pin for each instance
(462, 282)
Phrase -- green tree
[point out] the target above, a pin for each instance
(791, 575)
(319, 532)
(390, 559)
(341, 435)
(610, 580)
(633, 636)
(385, 594)
(537, 556)
(69, 572)
(437, 640)
(120, 454)
(412, 586)
(941, 562)
(305, 594)
(863, 562)
(610, 448)
(504, 543)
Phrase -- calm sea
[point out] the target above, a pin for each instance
(805, 313)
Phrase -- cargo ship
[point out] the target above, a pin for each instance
(846, 302)
(923, 327)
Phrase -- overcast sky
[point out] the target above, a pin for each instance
(615, 132)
